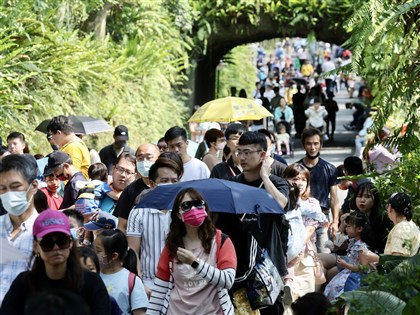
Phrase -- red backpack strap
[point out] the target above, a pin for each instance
(131, 282)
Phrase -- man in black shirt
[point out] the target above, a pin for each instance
(145, 153)
(110, 153)
(229, 168)
(269, 230)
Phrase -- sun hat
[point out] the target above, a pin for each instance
(50, 221)
(103, 220)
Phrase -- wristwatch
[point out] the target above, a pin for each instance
(194, 264)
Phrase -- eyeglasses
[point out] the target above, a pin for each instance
(187, 205)
(52, 179)
(47, 244)
(245, 153)
(122, 170)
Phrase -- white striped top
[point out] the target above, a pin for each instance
(152, 226)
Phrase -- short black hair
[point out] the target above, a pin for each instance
(268, 134)
(98, 171)
(253, 137)
(310, 132)
(60, 123)
(212, 135)
(162, 161)
(353, 165)
(15, 135)
(235, 128)
(175, 132)
(126, 156)
(25, 164)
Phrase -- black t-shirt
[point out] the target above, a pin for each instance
(109, 156)
(225, 170)
(277, 168)
(323, 176)
(268, 229)
(128, 198)
(93, 292)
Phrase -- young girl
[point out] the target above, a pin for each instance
(89, 260)
(366, 199)
(282, 137)
(117, 263)
(358, 254)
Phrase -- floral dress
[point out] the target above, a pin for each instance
(346, 280)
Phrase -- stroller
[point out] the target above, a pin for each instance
(284, 144)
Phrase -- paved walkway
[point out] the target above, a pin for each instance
(343, 144)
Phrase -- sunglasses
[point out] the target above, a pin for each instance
(187, 205)
(47, 244)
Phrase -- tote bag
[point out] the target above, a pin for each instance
(264, 284)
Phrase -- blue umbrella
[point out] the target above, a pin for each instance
(220, 195)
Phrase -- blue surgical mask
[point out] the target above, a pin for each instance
(143, 167)
(73, 233)
(15, 202)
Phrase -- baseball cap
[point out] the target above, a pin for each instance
(103, 220)
(121, 131)
(55, 159)
(50, 221)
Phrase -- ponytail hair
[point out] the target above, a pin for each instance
(114, 241)
(401, 203)
(359, 219)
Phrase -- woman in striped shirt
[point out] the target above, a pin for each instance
(198, 264)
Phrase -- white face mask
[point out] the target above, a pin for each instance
(220, 146)
(143, 167)
(15, 202)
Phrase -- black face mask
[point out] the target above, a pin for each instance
(54, 147)
(312, 157)
(120, 144)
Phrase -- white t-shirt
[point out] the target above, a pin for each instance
(195, 169)
(117, 286)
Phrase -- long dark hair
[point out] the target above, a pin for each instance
(177, 231)
(372, 191)
(292, 171)
(114, 241)
(359, 219)
(73, 279)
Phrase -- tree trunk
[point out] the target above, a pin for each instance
(100, 20)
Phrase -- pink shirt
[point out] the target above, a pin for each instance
(191, 293)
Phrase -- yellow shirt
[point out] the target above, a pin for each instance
(306, 70)
(79, 154)
(404, 238)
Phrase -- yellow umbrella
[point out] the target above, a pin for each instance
(230, 109)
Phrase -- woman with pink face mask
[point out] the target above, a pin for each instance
(198, 264)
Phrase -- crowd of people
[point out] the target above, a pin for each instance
(85, 244)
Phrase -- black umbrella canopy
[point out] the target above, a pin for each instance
(83, 125)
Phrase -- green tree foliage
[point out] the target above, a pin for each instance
(238, 70)
(47, 68)
(384, 39)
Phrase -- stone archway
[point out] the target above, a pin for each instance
(232, 35)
